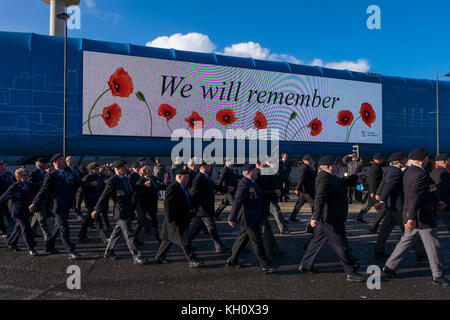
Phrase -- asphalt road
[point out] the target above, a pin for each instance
(45, 277)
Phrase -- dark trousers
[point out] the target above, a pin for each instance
(146, 219)
(123, 228)
(4, 213)
(97, 222)
(378, 218)
(61, 227)
(106, 219)
(268, 238)
(394, 218)
(254, 235)
(302, 199)
(166, 245)
(226, 201)
(79, 197)
(367, 206)
(22, 227)
(196, 225)
(335, 234)
(285, 187)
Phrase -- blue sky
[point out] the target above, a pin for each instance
(413, 40)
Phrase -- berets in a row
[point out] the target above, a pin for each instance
(377, 156)
(119, 163)
(328, 160)
(56, 156)
(441, 157)
(418, 154)
(307, 157)
(396, 156)
(93, 165)
(248, 167)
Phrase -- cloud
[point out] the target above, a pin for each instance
(256, 51)
(90, 3)
(192, 41)
(361, 65)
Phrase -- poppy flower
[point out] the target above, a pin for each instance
(225, 117)
(166, 111)
(316, 127)
(367, 114)
(120, 83)
(111, 115)
(345, 118)
(260, 121)
(193, 118)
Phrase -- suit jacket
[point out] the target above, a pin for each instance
(284, 169)
(37, 179)
(268, 185)
(120, 191)
(391, 192)
(92, 194)
(133, 178)
(59, 191)
(6, 179)
(227, 177)
(331, 202)
(21, 198)
(192, 175)
(374, 177)
(147, 197)
(306, 180)
(420, 198)
(75, 176)
(247, 204)
(203, 196)
(380, 186)
(441, 177)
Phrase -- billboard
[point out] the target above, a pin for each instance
(146, 97)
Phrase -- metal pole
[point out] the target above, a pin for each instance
(437, 111)
(65, 89)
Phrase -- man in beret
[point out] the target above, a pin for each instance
(74, 175)
(354, 166)
(6, 180)
(175, 229)
(391, 197)
(329, 216)
(92, 185)
(284, 170)
(119, 189)
(40, 217)
(419, 219)
(228, 178)
(247, 209)
(58, 188)
(374, 177)
(441, 177)
(305, 189)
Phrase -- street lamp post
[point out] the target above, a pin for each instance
(64, 16)
(437, 107)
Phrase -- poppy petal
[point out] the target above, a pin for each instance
(120, 83)
(111, 115)
(166, 111)
(345, 118)
(226, 117)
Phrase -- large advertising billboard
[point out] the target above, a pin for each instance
(146, 97)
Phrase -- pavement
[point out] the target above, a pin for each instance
(45, 277)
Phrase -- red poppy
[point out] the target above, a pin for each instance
(345, 118)
(166, 111)
(111, 115)
(193, 118)
(316, 127)
(120, 83)
(225, 117)
(260, 120)
(367, 113)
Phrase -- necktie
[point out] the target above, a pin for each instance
(64, 176)
(186, 193)
(125, 183)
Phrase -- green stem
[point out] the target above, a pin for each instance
(298, 132)
(92, 108)
(351, 127)
(151, 119)
(97, 115)
(167, 122)
(285, 131)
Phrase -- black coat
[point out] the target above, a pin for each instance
(20, 199)
(268, 185)
(331, 202)
(247, 204)
(37, 178)
(420, 198)
(133, 178)
(284, 169)
(177, 209)
(119, 190)
(6, 179)
(228, 177)
(75, 177)
(192, 175)
(374, 177)
(441, 177)
(92, 194)
(59, 192)
(391, 192)
(147, 197)
(203, 196)
(306, 180)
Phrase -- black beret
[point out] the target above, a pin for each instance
(56, 157)
(182, 171)
(248, 167)
(418, 154)
(119, 163)
(307, 157)
(441, 157)
(93, 165)
(43, 160)
(377, 156)
(396, 156)
(327, 160)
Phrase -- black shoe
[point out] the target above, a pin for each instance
(389, 272)
(442, 281)
(161, 260)
(230, 264)
(138, 243)
(373, 230)
(223, 250)
(293, 219)
(286, 198)
(13, 249)
(360, 219)
(278, 254)
(421, 258)
(51, 250)
(74, 255)
(111, 256)
(355, 276)
(269, 269)
(32, 253)
(84, 240)
(304, 270)
(195, 264)
(309, 229)
(218, 218)
(140, 261)
(381, 255)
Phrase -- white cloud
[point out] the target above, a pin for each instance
(90, 3)
(192, 41)
(361, 65)
(256, 51)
